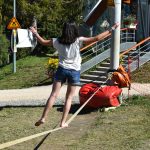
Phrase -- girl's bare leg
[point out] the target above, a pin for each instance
(50, 102)
(69, 96)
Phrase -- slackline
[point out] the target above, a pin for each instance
(11, 143)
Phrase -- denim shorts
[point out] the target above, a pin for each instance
(67, 75)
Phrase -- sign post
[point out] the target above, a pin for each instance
(14, 50)
(14, 35)
(13, 25)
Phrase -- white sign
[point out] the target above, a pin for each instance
(25, 39)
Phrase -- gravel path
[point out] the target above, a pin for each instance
(37, 96)
(34, 96)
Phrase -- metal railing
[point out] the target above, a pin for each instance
(92, 51)
(96, 48)
(137, 55)
(127, 35)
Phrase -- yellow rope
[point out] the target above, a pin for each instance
(11, 143)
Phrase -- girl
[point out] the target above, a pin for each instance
(69, 67)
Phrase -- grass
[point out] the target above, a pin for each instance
(30, 71)
(126, 128)
(142, 75)
(17, 122)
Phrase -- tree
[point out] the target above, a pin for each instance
(3, 42)
(50, 15)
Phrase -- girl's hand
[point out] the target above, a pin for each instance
(33, 30)
(115, 26)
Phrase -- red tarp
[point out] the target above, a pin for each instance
(105, 97)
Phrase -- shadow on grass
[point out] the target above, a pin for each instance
(75, 107)
(1, 108)
(59, 108)
(47, 81)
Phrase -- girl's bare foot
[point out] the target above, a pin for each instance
(64, 125)
(39, 122)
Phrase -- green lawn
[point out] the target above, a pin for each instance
(30, 71)
(142, 75)
(126, 128)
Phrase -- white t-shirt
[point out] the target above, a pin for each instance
(69, 55)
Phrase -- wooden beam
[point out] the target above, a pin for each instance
(96, 12)
(129, 2)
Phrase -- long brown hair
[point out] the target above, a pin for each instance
(70, 33)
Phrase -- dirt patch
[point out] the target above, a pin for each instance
(64, 138)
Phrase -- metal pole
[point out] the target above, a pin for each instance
(14, 37)
(115, 50)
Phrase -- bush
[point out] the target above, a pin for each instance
(4, 44)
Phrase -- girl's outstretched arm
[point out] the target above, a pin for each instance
(88, 40)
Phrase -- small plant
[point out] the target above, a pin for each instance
(121, 61)
(51, 66)
(130, 20)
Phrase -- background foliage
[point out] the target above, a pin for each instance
(3, 41)
(3, 48)
(50, 15)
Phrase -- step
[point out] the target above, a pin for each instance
(89, 77)
(102, 68)
(105, 64)
(125, 58)
(100, 82)
(108, 61)
(94, 78)
(143, 53)
(85, 81)
(147, 50)
(98, 73)
(102, 78)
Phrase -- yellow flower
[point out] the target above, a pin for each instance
(52, 64)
